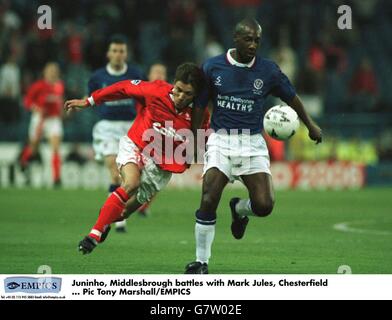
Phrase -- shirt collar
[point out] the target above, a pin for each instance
(238, 64)
(113, 72)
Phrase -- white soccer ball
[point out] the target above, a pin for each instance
(281, 122)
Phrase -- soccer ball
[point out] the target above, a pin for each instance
(281, 122)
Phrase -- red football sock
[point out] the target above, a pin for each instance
(111, 211)
(56, 166)
(26, 155)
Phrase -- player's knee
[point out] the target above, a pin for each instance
(56, 149)
(263, 208)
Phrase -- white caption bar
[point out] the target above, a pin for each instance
(190, 287)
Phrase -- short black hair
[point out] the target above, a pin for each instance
(190, 73)
(117, 39)
(247, 23)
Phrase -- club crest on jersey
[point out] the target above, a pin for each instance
(136, 82)
(258, 84)
(218, 81)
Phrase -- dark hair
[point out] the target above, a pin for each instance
(118, 39)
(246, 23)
(190, 73)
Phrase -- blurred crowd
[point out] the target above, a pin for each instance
(339, 71)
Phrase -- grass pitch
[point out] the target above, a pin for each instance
(43, 227)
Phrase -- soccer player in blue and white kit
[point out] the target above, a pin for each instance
(114, 116)
(239, 82)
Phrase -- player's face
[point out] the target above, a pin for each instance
(157, 72)
(51, 72)
(117, 54)
(247, 43)
(183, 94)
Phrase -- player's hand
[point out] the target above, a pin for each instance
(315, 133)
(76, 104)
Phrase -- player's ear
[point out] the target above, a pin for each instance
(236, 38)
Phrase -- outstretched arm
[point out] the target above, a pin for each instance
(315, 132)
(285, 91)
(118, 91)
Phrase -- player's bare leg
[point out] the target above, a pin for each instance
(110, 163)
(260, 202)
(115, 182)
(113, 208)
(131, 206)
(214, 181)
(55, 142)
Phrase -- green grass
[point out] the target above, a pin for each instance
(43, 227)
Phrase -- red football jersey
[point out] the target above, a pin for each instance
(47, 96)
(157, 128)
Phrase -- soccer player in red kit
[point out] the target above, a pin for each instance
(157, 71)
(166, 110)
(45, 99)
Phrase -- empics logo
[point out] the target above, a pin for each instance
(32, 285)
(13, 285)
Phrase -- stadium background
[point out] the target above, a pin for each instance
(343, 76)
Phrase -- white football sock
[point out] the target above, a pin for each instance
(244, 208)
(204, 235)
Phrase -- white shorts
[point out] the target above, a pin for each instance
(237, 155)
(106, 137)
(152, 180)
(48, 126)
